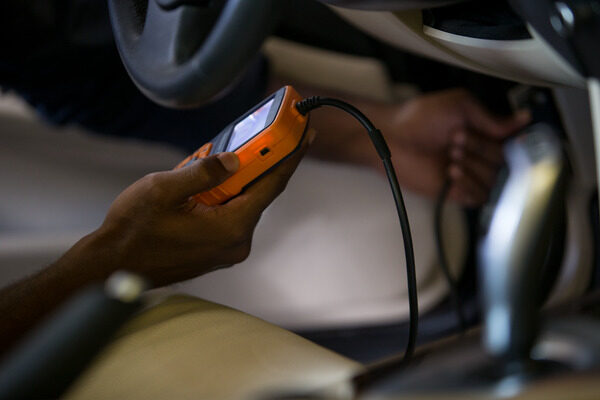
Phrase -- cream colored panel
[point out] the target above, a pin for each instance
(364, 77)
(403, 30)
(532, 62)
(528, 60)
(187, 348)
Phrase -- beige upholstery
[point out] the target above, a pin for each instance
(364, 77)
(187, 348)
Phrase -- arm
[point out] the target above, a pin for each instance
(434, 137)
(152, 229)
(24, 303)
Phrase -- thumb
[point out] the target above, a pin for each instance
(202, 175)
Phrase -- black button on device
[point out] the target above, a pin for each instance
(264, 151)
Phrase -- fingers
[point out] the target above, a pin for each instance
(487, 149)
(478, 118)
(178, 185)
(474, 163)
(262, 192)
(465, 189)
(480, 170)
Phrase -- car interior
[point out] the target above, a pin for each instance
(323, 308)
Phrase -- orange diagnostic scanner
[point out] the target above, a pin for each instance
(261, 138)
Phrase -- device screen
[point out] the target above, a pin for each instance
(250, 126)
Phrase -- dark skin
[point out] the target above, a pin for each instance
(154, 229)
(433, 137)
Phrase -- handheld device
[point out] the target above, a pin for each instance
(262, 138)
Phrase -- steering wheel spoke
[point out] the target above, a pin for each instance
(170, 37)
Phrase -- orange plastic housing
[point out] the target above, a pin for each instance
(259, 154)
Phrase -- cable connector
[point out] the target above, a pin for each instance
(308, 104)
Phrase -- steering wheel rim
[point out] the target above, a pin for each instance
(172, 55)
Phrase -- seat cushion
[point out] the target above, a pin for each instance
(190, 348)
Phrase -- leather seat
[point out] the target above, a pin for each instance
(190, 348)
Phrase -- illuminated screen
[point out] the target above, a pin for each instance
(249, 127)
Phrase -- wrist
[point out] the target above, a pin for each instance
(92, 258)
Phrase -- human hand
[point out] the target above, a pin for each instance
(449, 134)
(446, 134)
(154, 229)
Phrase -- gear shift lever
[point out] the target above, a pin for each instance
(511, 254)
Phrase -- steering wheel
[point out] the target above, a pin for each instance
(182, 53)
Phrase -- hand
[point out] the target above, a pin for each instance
(433, 137)
(449, 134)
(154, 229)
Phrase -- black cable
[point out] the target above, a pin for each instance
(443, 260)
(410, 258)
(383, 151)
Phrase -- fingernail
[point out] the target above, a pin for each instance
(230, 161)
(312, 134)
(523, 116)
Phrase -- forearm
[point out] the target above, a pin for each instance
(25, 303)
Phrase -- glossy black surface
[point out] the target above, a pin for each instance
(390, 4)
